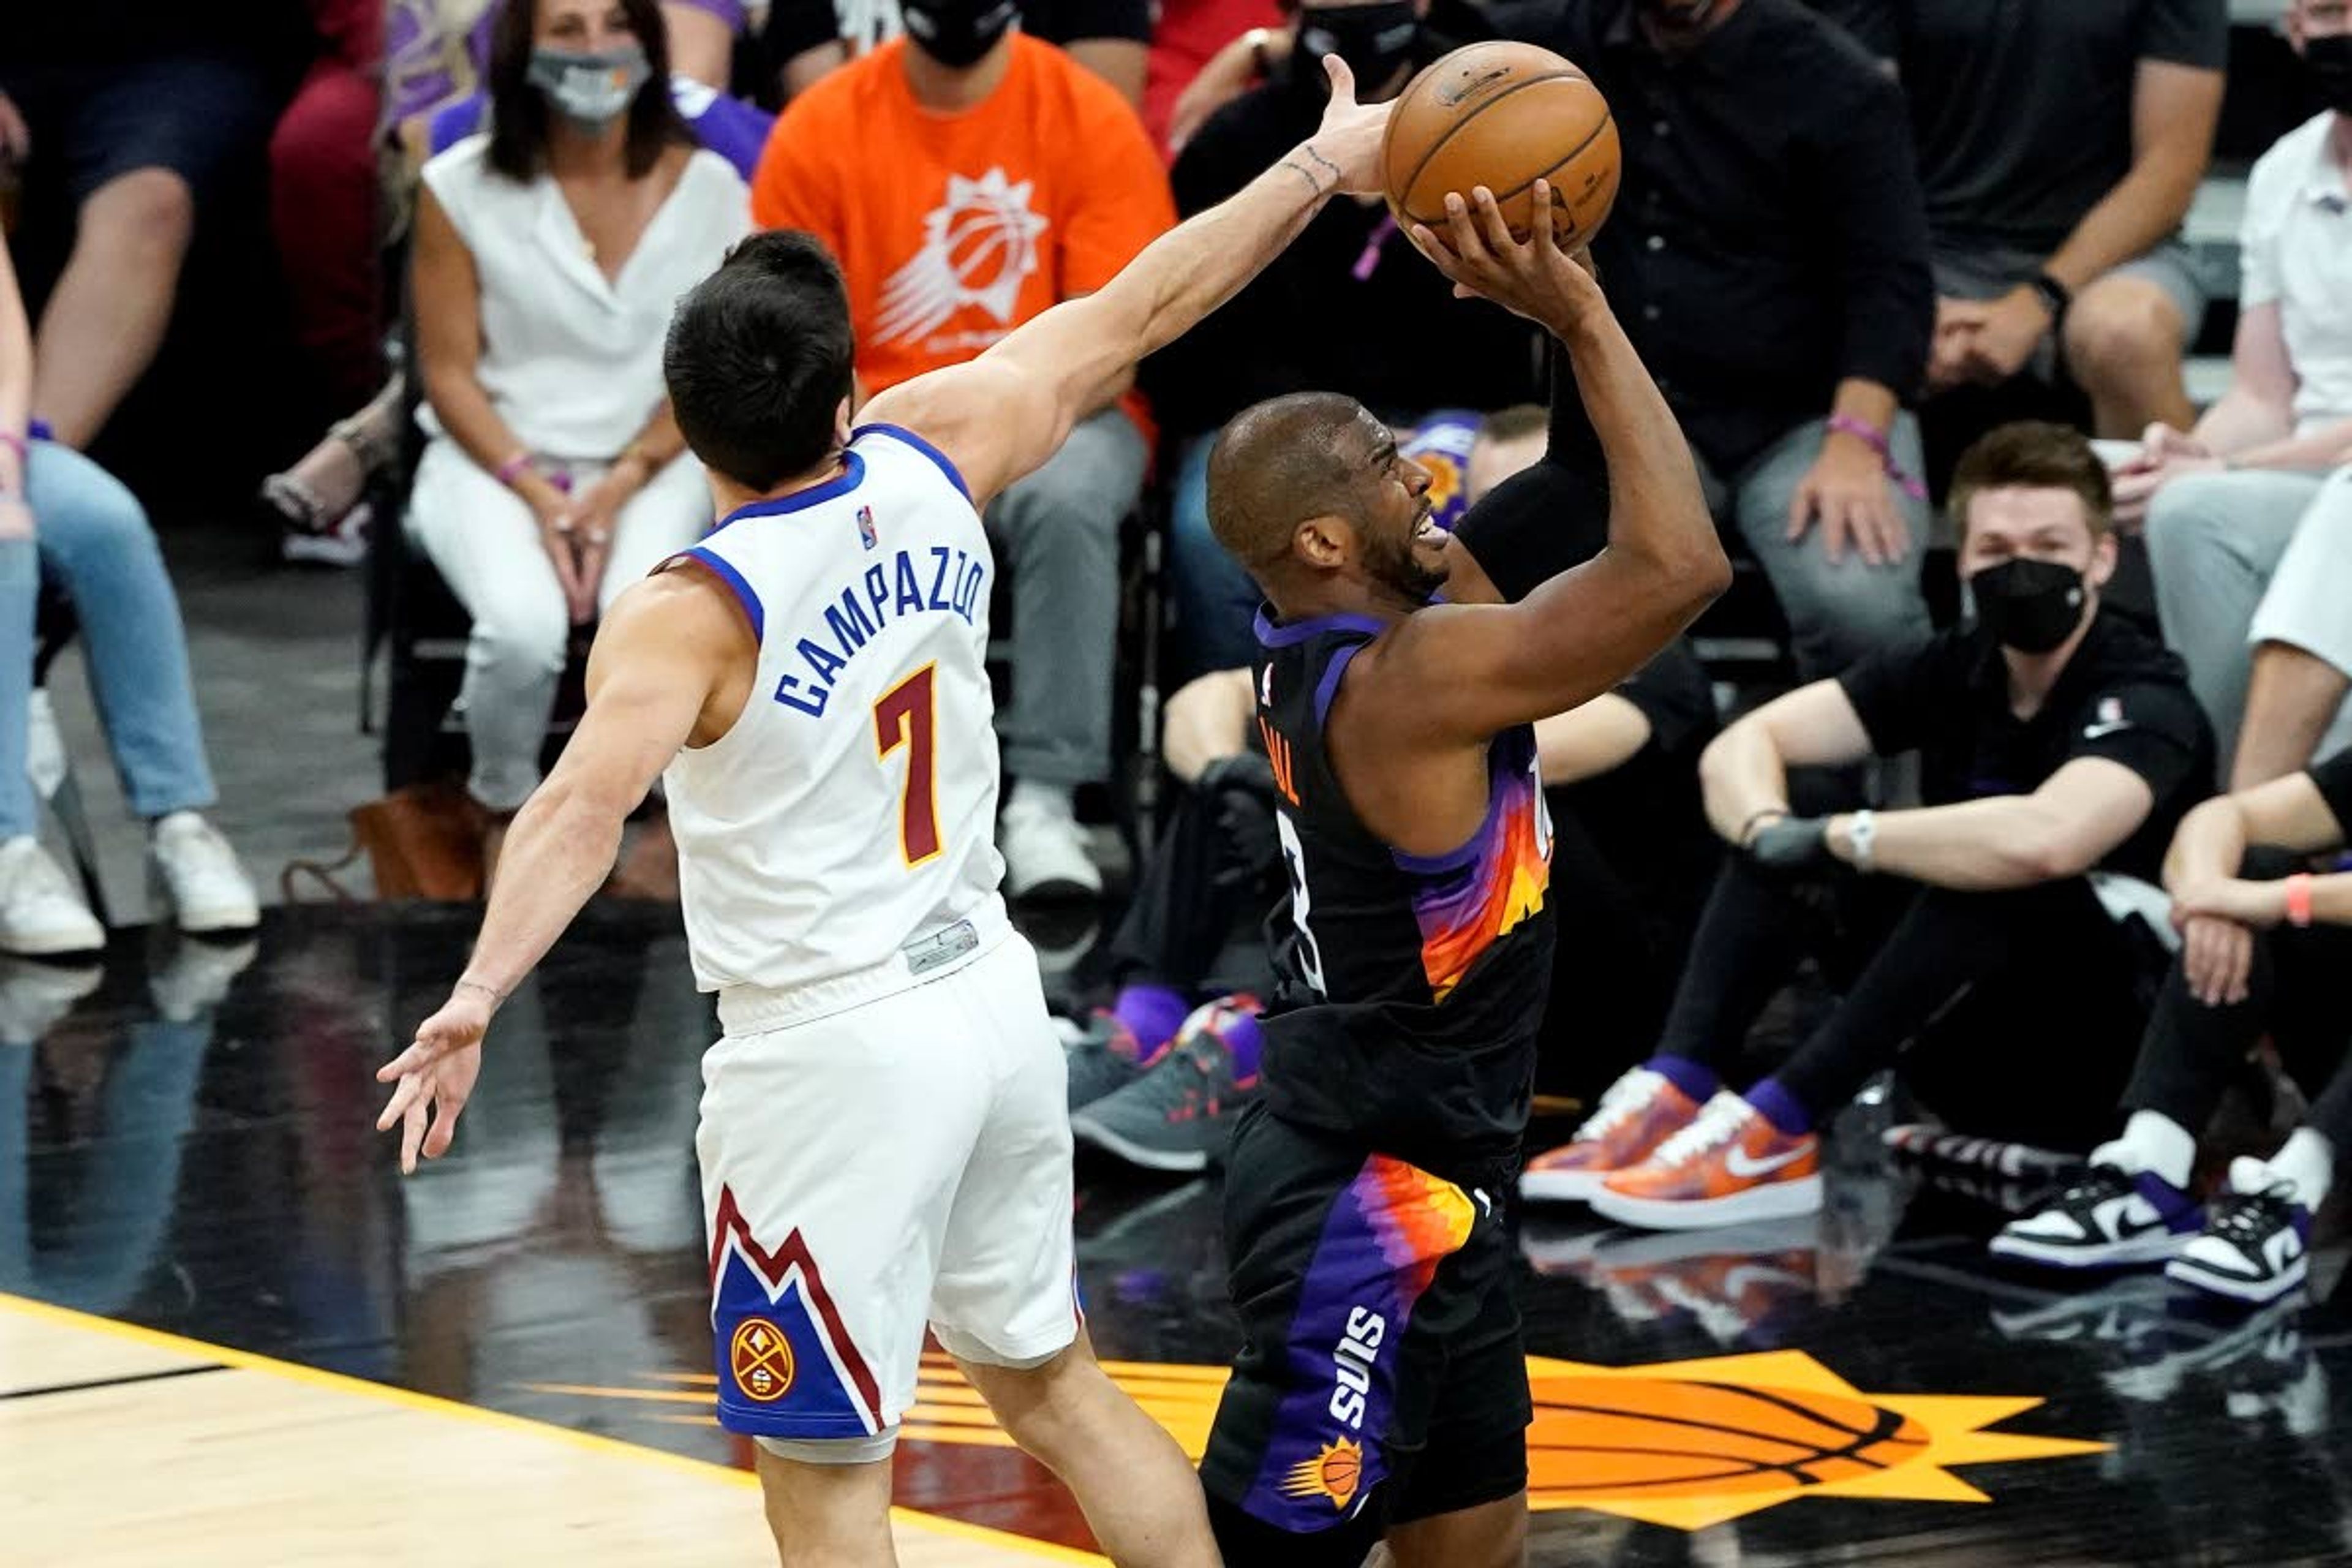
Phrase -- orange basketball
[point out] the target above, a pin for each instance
(1504, 116)
(1613, 1436)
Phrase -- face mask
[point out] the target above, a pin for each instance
(2330, 60)
(589, 90)
(956, 33)
(2029, 606)
(1373, 39)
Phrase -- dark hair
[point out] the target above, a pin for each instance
(758, 357)
(1516, 423)
(518, 114)
(2034, 455)
(1278, 463)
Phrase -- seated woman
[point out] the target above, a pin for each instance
(63, 513)
(548, 252)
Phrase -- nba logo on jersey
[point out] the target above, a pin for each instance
(866, 528)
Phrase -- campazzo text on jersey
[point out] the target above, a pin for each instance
(940, 579)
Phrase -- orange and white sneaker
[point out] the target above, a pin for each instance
(1641, 1111)
(1731, 1166)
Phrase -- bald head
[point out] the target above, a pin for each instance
(1284, 461)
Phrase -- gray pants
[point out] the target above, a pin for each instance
(2242, 559)
(1057, 532)
(1837, 610)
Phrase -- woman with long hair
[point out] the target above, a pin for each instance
(548, 252)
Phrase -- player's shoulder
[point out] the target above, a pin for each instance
(698, 600)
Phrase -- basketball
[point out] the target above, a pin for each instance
(1504, 116)
(1602, 1437)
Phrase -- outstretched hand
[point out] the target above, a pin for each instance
(1351, 135)
(1532, 277)
(437, 1073)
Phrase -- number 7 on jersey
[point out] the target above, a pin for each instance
(904, 717)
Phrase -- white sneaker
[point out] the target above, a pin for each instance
(1045, 853)
(196, 977)
(41, 914)
(193, 868)
(33, 996)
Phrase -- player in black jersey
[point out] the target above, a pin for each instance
(1382, 1390)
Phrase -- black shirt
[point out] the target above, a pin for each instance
(2123, 696)
(796, 27)
(2334, 778)
(1768, 238)
(2022, 109)
(1349, 307)
(102, 32)
(1407, 1015)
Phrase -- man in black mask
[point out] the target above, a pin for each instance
(1347, 308)
(2002, 941)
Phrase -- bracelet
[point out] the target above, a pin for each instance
(2056, 298)
(2298, 899)
(1749, 826)
(16, 444)
(1872, 436)
(1861, 837)
(506, 472)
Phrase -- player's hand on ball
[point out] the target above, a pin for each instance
(436, 1074)
(1532, 277)
(1351, 133)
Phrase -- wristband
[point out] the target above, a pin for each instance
(506, 473)
(2298, 899)
(2055, 297)
(1870, 435)
(1748, 828)
(1862, 835)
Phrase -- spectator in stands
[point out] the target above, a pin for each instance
(140, 111)
(1189, 35)
(547, 255)
(2250, 537)
(323, 203)
(1111, 39)
(2266, 946)
(1347, 308)
(1620, 780)
(62, 514)
(2060, 146)
(967, 177)
(2060, 748)
(1769, 253)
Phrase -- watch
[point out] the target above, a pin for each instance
(1862, 835)
(2054, 295)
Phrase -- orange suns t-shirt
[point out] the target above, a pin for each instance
(953, 229)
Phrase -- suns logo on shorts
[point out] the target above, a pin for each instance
(1334, 1473)
(761, 1361)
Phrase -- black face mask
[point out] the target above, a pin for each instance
(2029, 606)
(956, 33)
(2330, 60)
(1373, 39)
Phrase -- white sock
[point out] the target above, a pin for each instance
(2153, 1143)
(1031, 796)
(2308, 1162)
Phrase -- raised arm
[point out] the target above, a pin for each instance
(1000, 416)
(1460, 673)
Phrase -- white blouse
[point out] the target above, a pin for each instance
(572, 360)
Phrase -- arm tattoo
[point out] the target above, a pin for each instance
(1316, 179)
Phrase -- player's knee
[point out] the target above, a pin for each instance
(827, 1504)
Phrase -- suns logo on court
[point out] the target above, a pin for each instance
(1334, 1473)
(979, 247)
(761, 1361)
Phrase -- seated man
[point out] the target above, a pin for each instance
(2260, 956)
(2249, 538)
(1347, 308)
(967, 177)
(2059, 748)
(2060, 146)
(809, 38)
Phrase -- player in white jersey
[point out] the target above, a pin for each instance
(884, 1142)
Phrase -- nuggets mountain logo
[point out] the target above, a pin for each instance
(761, 1361)
(1682, 1443)
(1332, 1474)
(979, 247)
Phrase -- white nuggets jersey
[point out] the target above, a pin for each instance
(852, 808)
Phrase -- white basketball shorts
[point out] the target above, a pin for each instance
(899, 1160)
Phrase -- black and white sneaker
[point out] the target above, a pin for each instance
(2256, 1246)
(2107, 1217)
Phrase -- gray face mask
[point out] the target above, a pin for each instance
(590, 89)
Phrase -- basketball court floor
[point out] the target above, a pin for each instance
(229, 1333)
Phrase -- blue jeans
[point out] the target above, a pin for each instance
(1216, 603)
(95, 543)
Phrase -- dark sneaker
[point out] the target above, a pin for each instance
(1178, 1115)
(2106, 1218)
(2256, 1246)
(1103, 1057)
